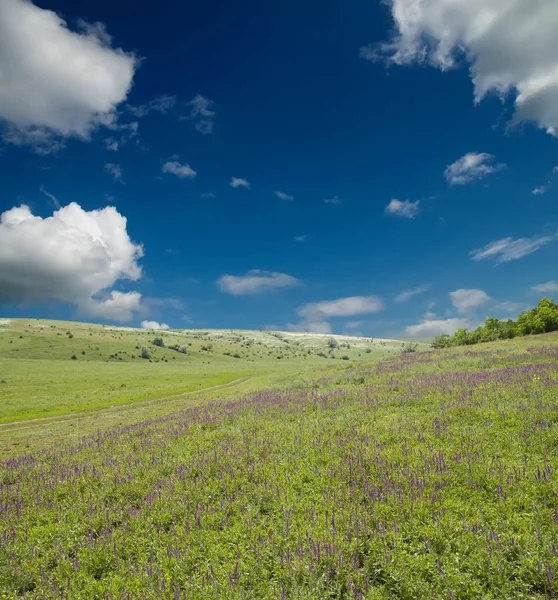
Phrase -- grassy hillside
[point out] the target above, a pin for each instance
(426, 475)
(54, 368)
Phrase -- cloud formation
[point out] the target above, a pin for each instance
(406, 295)
(508, 249)
(57, 83)
(256, 282)
(466, 300)
(73, 256)
(471, 167)
(183, 171)
(115, 171)
(201, 114)
(315, 315)
(284, 196)
(545, 288)
(238, 182)
(154, 326)
(161, 104)
(540, 190)
(434, 327)
(511, 48)
(403, 208)
(334, 200)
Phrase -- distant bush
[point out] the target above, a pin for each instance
(345, 357)
(74, 357)
(158, 342)
(332, 343)
(145, 353)
(408, 348)
(181, 349)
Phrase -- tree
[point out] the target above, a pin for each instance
(546, 316)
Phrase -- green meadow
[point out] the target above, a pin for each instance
(284, 473)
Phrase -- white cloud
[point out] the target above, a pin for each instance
(334, 200)
(433, 327)
(342, 307)
(467, 300)
(238, 182)
(51, 197)
(154, 326)
(73, 256)
(544, 288)
(284, 196)
(183, 171)
(114, 170)
(256, 282)
(118, 306)
(408, 294)
(315, 315)
(511, 47)
(57, 83)
(555, 170)
(471, 167)
(403, 208)
(111, 144)
(201, 114)
(540, 190)
(508, 249)
(509, 307)
(208, 195)
(161, 104)
(301, 238)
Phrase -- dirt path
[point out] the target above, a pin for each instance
(42, 421)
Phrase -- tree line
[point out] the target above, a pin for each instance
(542, 319)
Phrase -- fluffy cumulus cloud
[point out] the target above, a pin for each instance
(73, 256)
(154, 326)
(467, 300)
(508, 249)
(57, 83)
(511, 48)
(118, 306)
(315, 315)
(284, 196)
(403, 208)
(408, 294)
(256, 282)
(545, 288)
(471, 167)
(201, 114)
(183, 171)
(238, 182)
(433, 327)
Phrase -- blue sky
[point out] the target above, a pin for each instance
(296, 166)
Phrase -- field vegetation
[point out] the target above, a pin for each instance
(427, 474)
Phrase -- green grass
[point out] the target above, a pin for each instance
(53, 368)
(430, 475)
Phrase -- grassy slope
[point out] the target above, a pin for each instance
(38, 378)
(424, 476)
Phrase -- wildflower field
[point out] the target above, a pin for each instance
(426, 475)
